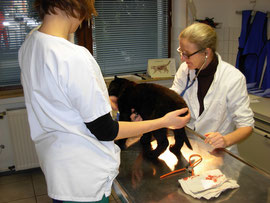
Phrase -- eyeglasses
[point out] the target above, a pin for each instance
(187, 56)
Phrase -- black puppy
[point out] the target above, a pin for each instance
(150, 101)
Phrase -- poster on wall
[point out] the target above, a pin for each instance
(158, 68)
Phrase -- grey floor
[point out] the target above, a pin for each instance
(29, 187)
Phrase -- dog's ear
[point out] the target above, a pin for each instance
(115, 77)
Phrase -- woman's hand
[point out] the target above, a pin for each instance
(173, 119)
(216, 140)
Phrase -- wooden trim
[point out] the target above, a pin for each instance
(11, 91)
(186, 13)
(84, 35)
(169, 27)
(14, 87)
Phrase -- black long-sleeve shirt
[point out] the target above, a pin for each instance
(104, 128)
(205, 79)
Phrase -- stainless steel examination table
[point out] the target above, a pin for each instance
(139, 179)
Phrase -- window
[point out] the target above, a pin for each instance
(125, 34)
(128, 33)
(17, 19)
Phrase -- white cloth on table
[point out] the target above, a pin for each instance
(209, 184)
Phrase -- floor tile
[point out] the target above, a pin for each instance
(44, 199)
(28, 200)
(14, 178)
(39, 183)
(16, 191)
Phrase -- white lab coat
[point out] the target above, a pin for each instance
(226, 104)
(64, 88)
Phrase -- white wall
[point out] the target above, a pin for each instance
(178, 24)
(224, 12)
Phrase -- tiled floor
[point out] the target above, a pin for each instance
(29, 187)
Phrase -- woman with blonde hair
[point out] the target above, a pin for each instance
(69, 108)
(214, 90)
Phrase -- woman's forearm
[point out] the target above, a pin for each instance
(238, 135)
(131, 129)
(170, 120)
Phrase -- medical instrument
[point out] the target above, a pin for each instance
(188, 168)
(188, 78)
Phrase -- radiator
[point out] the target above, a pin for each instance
(25, 156)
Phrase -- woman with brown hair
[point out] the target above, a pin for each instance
(69, 108)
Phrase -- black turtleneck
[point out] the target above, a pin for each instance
(205, 79)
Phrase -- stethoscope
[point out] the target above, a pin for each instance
(188, 78)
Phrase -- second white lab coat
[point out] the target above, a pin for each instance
(226, 104)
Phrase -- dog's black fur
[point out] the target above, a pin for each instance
(150, 101)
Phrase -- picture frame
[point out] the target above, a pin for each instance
(158, 68)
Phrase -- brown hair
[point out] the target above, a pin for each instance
(85, 8)
(201, 34)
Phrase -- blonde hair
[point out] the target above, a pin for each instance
(85, 8)
(201, 34)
